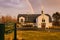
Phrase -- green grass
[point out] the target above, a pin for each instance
(39, 35)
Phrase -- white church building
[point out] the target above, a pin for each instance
(43, 21)
(40, 20)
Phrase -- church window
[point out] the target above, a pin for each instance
(43, 20)
(22, 20)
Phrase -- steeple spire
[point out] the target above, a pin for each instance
(42, 12)
(42, 9)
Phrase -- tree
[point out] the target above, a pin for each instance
(8, 18)
(56, 18)
(3, 19)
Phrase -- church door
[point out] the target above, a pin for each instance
(43, 25)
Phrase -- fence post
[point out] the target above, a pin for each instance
(15, 35)
(2, 30)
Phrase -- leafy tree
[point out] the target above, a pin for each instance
(56, 18)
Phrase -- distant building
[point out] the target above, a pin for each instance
(40, 20)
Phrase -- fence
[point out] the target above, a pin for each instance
(2, 32)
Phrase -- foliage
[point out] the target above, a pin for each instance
(5, 19)
(56, 19)
(56, 16)
(9, 27)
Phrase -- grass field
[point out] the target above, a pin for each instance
(36, 35)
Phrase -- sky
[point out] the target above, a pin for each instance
(15, 7)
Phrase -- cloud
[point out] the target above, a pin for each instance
(22, 6)
(15, 6)
(10, 3)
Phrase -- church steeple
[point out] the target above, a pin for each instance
(42, 12)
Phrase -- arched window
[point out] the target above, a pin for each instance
(43, 20)
(21, 20)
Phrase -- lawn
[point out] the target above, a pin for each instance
(34, 35)
(39, 35)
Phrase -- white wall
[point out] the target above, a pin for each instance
(39, 21)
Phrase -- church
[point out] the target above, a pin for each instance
(39, 20)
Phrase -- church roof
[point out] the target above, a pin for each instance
(32, 17)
